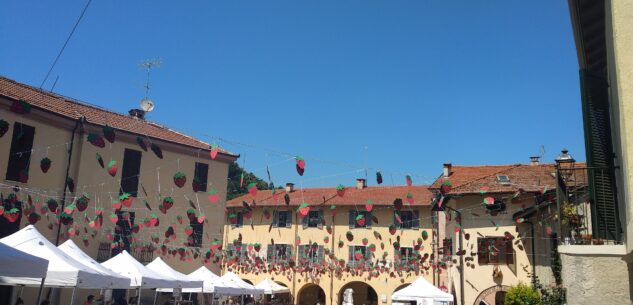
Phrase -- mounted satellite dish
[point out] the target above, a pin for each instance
(147, 105)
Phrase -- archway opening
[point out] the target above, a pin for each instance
(362, 294)
(311, 294)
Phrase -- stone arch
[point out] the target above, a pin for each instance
(492, 296)
(311, 294)
(248, 281)
(401, 287)
(363, 294)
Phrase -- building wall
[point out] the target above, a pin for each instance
(384, 285)
(52, 134)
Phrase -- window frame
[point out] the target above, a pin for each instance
(130, 173)
(202, 184)
(19, 156)
(352, 219)
(288, 219)
(352, 262)
(412, 224)
(487, 257)
(272, 253)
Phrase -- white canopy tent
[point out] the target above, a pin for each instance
(159, 266)
(115, 280)
(270, 287)
(246, 288)
(15, 263)
(63, 270)
(212, 283)
(140, 276)
(423, 292)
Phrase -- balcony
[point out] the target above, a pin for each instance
(587, 204)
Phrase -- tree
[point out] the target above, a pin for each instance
(522, 294)
(233, 188)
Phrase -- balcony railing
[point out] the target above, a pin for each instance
(588, 210)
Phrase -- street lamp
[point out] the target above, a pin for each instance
(565, 164)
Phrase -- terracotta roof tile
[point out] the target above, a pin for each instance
(380, 195)
(74, 109)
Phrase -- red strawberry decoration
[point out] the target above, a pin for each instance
(257, 247)
(410, 199)
(188, 230)
(179, 219)
(392, 229)
(378, 177)
(446, 187)
(108, 133)
(365, 241)
(45, 164)
(66, 219)
(358, 255)
(180, 179)
(369, 206)
(126, 199)
(21, 107)
(372, 248)
(349, 236)
(326, 239)
(191, 214)
(168, 202)
(360, 220)
(214, 151)
(52, 205)
(409, 180)
(425, 235)
(300, 165)
(397, 204)
(82, 203)
(233, 218)
(201, 217)
(252, 188)
(304, 209)
(23, 176)
(4, 127)
(96, 140)
(112, 168)
(116, 204)
(340, 190)
(157, 151)
(34, 218)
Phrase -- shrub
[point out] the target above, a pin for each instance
(522, 294)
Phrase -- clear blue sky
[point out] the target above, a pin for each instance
(416, 82)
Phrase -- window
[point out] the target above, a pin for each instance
(200, 176)
(495, 250)
(353, 214)
(196, 237)
(20, 153)
(357, 254)
(310, 254)
(503, 179)
(279, 253)
(313, 220)
(447, 246)
(410, 219)
(405, 255)
(131, 169)
(282, 219)
(237, 250)
(123, 231)
(236, 219)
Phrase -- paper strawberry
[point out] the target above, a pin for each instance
(372, 248)
(378, 177)
(108, 133)
(349, 236)
(397, 204)
(425, 235)
(304, 209)
(360, 220)
(548, 229)
(483, 190)
(21, 107)
(341, 244)
(126, 199)
(69, 209)
(191, 214)
(66, 219)
(168, 202)
(4, 127)
(136, 228)
(34, 218)
(489, 201)
(358, 255)
(408, 180)
(392, 229)
(340, 190)
(52, 205)
(71, 184)
(300, 165)
(188, 230)
(153, 220)
(233, 218)
(201, 217)
(157, 151)
(141, 143)
(45, 164)
(297, 240)
(365, 241)
(369, 206)
(180, 179)
(214, 151)
(252, 189)
(326, 239)
(396, 245)
(257, 247)
(446, 187)
(82, 203)
(457, 228)
(410, 199)
(116, 204)
(96, 140)
(328, 228)
(112, 168)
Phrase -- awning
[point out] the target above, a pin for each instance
(421, 289)
(159, 266)
(247, 288)
(15, 263)
(140, 276)
(270, 287)
(115, 281)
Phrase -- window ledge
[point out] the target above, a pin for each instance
(601, 250)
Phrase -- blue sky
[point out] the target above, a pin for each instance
(400, 86)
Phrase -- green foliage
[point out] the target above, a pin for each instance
(233, 187)
(522, 294)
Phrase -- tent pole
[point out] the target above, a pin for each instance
(155, 296)
(20, 294)
(39, 294)
(138, 296)
(72, 297)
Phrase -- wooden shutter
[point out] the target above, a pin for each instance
(20, 152)
(201, 175)
(320, 254)
(509, 252)
(416, 220)
(352, 218)
(130, 172)
(275, 219)
(600, 153)
(482, 251)
(497, 250)
(368, 219)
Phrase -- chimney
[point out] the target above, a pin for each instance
(360, 184)
(137, 113)
(290, 187)
(447, 169)
(534, 160)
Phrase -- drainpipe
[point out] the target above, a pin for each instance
(533, 250)
(332, 271)
(461, 257)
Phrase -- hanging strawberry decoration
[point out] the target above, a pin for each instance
(365, 241)
(116, 204)
(304, 209)
(297, 240)
(52, 205)
(333, 210)
(96, 140)
(34, 218)
(157, 151)
(213, 195)
(168, 202)
(328, 228)
(188, 230)
(112, 168)
(108, 133)
(191, 214)
(216, 245)
(425, 235)
(141, 143)
(214, 151)
(341, 244)
(4, 127)
(180, 179)
(153, 220)
(340, 190)
(410, 199)
(349, 236)
(372, 248)
(126, 199)
(360, 220)
(66, 218)
(82, 203)
(392, 229)
(446, 187)
(409, 180)
(358, 255)
(71, 184)
(201, 217)
(45, 164)
(69, 209)
(300, 165)
(100, 160)
(233, 218)
(369, 206)
(21, 107)
(397, 204)
(326, 239)
(489, 201)
(378, 177)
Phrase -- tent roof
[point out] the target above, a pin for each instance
(63, 270)
(421, 289)
(212, 283)
(159, 266)
(15, 263)
(114, 280)
(232, 278)
(140, 276)
(270, 287)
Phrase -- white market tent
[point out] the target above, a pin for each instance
(423, 292)
(15, 263)
(63, 270)
(159, 266)
(114, 280)
(270, 287)
(141, 277)
(246, 288)
(212, 283)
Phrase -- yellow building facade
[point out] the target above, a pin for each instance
(58, 129)
(269, 237)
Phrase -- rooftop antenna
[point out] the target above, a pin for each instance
(146, 104)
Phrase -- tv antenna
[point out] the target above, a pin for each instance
(146, 104)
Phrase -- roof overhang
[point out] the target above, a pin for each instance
(588, 22)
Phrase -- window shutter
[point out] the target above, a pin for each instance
(302, 252)
(130, 171)
(275, 219)
(270, 253)
(350, 256)
(20, 151)
(482, 251)
(416, 220)
(352, 218)
(496, 250)
(509, 251)
(288, 252)
(320, 225)
(320, 256)
(368, 219)
(288, 219)
(201, 175)
(240, 219)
